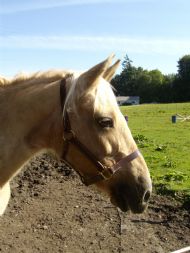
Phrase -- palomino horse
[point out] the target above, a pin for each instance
(76, 116)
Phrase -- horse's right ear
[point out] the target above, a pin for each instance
(90, 77)
(109, 73)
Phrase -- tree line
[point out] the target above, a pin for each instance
(152, 85)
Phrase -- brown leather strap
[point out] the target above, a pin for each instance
(63, 94)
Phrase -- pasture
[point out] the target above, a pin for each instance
(165, 145)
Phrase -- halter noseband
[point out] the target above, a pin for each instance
(75, 149)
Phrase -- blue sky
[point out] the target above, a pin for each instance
(76, 34)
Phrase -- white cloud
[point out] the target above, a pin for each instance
(94, 43)
(19, 6)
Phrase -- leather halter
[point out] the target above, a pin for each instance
(82, 155)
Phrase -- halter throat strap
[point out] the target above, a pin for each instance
(79, 157)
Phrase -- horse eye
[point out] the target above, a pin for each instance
(105, 122)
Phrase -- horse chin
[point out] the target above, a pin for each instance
(118, 202)
(139, 209)
(125, 206)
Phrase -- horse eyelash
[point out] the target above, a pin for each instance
(105, 122)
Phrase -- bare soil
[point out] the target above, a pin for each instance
(51, 211)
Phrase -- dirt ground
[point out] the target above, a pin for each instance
(51, 211)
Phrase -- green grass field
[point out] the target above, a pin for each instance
(165, 145)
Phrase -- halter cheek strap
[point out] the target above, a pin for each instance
(79, 157)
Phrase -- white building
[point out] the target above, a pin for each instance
(131, 100)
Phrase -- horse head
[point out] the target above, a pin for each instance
(98, 142)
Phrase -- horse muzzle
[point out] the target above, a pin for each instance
(133, 197)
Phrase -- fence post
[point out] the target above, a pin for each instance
(174, 118)
(126, 118)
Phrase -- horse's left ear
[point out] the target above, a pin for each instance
(109, 73)
(91, 76)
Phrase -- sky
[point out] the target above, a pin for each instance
(77, 34)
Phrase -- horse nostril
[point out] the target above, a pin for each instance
(146, 196)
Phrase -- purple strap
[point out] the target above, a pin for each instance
(125, 160)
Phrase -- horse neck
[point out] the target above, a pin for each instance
(47, 130)
(31, 121)
(38, 106)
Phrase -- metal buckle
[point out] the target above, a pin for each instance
(106, 173)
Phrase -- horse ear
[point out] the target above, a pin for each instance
(90, 76)
(109, 73)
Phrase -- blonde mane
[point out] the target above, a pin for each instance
(37, 77)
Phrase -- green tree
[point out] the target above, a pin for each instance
(166, 90)
(144, 88)
(181, 86)
(127, 63)
(184, 68)
(135, 81)
(151, 86)
(125, 83)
